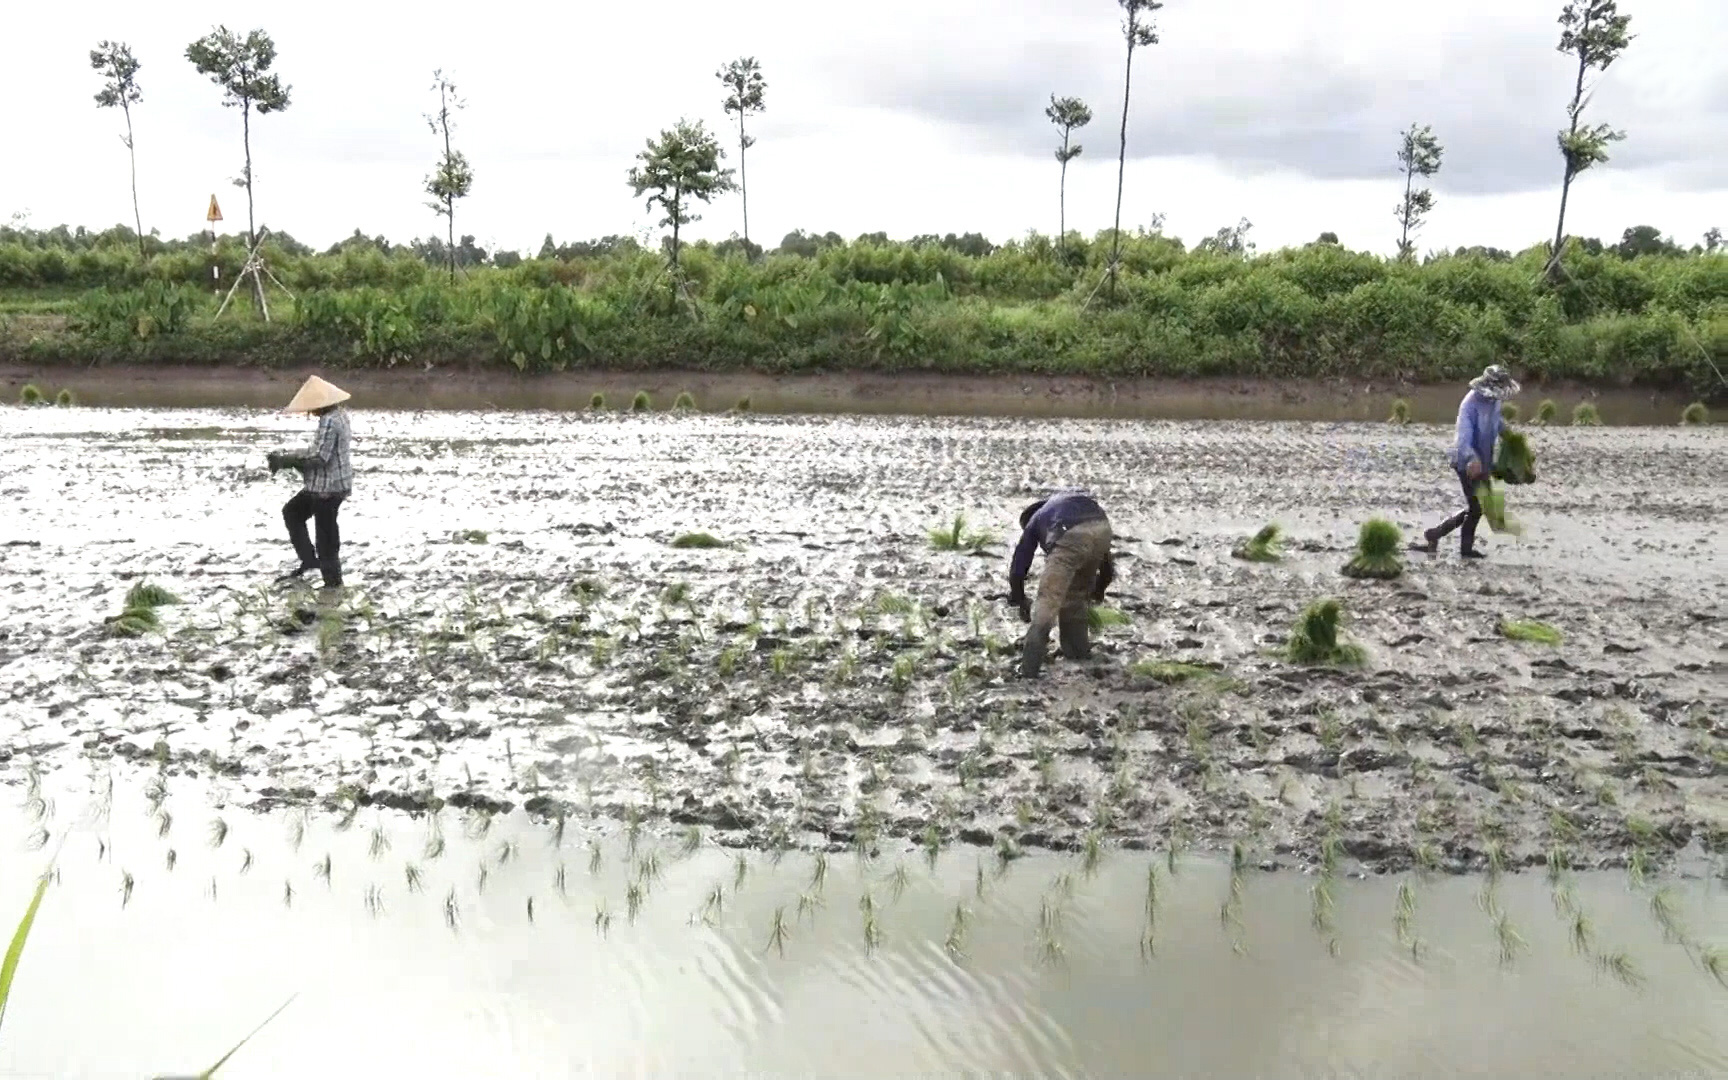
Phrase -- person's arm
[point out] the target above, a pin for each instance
(1106, 574)
(1022, 565)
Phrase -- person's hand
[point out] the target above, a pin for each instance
(274, 460)
(1017, 598)
(1473, 470)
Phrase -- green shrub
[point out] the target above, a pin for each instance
(126, 318)
(1378, 544)
(1695, 414)
(1585, 415)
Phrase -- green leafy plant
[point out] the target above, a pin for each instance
(1263, 546)
(1314, 638)
(1537, 632)
(1377, 551)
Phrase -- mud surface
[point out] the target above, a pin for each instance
(519, 632)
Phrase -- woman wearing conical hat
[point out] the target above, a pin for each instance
(327, 476)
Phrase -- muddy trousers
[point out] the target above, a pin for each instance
(321, 509)
(1468, 518)
(1065, 594)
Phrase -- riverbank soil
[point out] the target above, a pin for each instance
(915, 394)
(523, 627)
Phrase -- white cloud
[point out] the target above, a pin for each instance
(908, 116)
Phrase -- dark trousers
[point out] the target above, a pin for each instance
(1468, 518)
(1064, 595)
(321, 509)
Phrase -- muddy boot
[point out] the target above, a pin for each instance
(1428, 545)
(1473, 553)
(1072, 633)
(293, 576)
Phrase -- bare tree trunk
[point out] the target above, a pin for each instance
(449, 200)
(675, 208)
(1409, 181)
(1062, 201)
(743, 182)
(1121, 163)
(131, 150)
(251, 224)
(1566, 180)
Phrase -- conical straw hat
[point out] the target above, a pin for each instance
(316, 394)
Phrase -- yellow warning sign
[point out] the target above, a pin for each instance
(215, 212)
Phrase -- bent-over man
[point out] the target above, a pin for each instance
(1074, 533)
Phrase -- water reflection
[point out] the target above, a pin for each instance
(459, 945)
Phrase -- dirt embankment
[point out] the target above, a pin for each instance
(521, 630)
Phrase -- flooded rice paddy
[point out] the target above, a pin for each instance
(596, 802)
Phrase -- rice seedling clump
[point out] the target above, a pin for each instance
(146, 595)
(1547, 411)
(1696, 414)
(1262, 546)
(698, 541)
(64, 399)
(1538, 632)
(1314, 638)
(1585, 415)
(1170, 672)
(1377, 546)
(30, 395)
(1493, 502)
(957, 537)
(641, 402)
(743, 405)
(684, 402)
(1516, 462)
(1400, 412)
(1098, 618)
(597, 402)
(1509, 412)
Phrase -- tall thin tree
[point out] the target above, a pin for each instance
(1139, 31)
(683, 164)
(1594, 32)
(1070, 114)
(1419, 155)
(744, 89)
(241, 67)
(119, 70)
(453, 178)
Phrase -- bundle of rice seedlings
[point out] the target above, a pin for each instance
(1523, 630)
(641, 402)
(64, 399)
(1262, 546)
(146, 595)
(1314, 638)
(684, 403)
(1509, 412)
(743, 404)
(597, 402)
(133, 622)
(30, 395)
(1547, 411)
(1170, 672)
(1377, 547)
(1400, 412)
(1516, 462)
(1098, 618)
(698, 540)
(1585, 415)
(1493, 501)
(957, 537)
(1696, 414)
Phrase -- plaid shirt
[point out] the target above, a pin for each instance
(327, 470)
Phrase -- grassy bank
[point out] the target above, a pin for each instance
(1314, 312)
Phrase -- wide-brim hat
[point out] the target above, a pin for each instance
(1496, 382)
(316, 394)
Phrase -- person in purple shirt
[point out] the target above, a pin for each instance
(1075, 534)
(1479, 427)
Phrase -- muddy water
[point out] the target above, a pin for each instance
(463, 944)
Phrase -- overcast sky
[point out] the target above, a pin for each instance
(906, 116)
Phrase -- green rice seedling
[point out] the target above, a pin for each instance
(898, 881)
(1621, 968)
(1092, 853)
(1377, 552)
(172, 859)
(957, 537)
(1263, 546)
(1547, 411)
(21, 935)
(210, 1073)
(374, 900)
(1695, 415)
(742, 405)
(126, 884)
(1050, 947)
(218, 832)
(1515, 462)
(164, 821)
(146, 595)
(434, 847)
(1714, 960)
(321, 869)
(634, 897)
(287, 893)
(1559, 862)
(1586, 415)
(1101, 618)
(1314, 638)
(506, 851)
(1565, 898)
(1321, 906)
(1510, 412)
(872, 925)
(413, 879)
(1400, 412)
(697, 541)
(378, 843)
(1404, 913)
(1581, 933)
(779, 932)
(955, 943)
(900, 678)
(246, 861)
(1666, 911)
(979, 881)
(134, 622)
(932, 842)
(685, 402)
(65, 399)
(1523, 630)
(31, 394)
(1492, 499)
(641, 402)
(597, 402)
(819, 872)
